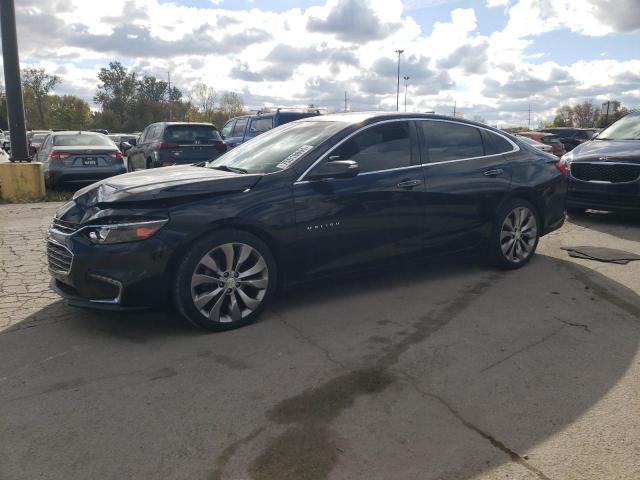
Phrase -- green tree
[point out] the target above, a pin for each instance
(69, 111)
(564, 117)
(616, 112)
(117, 91)
(37, 84)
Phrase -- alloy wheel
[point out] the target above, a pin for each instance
(229, 282)
(518, 234)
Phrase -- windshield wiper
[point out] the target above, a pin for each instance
(227, 168)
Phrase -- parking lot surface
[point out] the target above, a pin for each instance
(443, 370)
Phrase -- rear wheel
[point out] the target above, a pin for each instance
(225, 280)
(516, 233)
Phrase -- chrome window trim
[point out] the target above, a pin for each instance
(515, 146)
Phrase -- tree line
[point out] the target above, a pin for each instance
(588, 115)
(127, 102)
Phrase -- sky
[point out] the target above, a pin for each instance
(494, 59)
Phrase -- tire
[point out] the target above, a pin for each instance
(232, 297)
(149, 163)
(512, 248)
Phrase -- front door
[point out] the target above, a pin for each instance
(378, 213)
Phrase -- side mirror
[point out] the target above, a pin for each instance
(335, 169)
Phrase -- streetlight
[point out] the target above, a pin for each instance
(399, 52)
(406, 81)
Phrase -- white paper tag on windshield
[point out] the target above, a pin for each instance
(294, 156)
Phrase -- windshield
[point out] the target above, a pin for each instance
(279, 148)
(627, 128)
(82, 140)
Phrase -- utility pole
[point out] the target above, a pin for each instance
(399, 52)
(529, 121)
(406, 81)
(454, 108)
(345, 101)
(15, 105)
(169, 93)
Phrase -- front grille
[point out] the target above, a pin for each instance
(59, 258)
(605, 172)
(64, 227)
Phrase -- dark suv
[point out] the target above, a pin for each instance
(240, 129)
(172, 143)
(303, 200)
(572, 137)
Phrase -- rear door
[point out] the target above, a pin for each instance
(378, 213)
(467, 175)
(236, 136)
(258, 125)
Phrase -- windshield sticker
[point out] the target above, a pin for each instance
(294, 156)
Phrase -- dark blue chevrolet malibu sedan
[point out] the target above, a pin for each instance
(301, 201)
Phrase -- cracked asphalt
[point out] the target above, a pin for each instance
(442, 370)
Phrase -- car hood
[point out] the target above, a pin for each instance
(163, 184)
(608, 150)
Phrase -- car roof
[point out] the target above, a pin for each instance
(77, 132)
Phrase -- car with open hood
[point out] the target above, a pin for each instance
(305, 200)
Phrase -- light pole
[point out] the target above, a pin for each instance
(406, 82)
(15, 105)
(399, 52)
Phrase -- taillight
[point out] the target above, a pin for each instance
(561, 165)
(116, 154)
(168, 145)
(56, 154)
(221, 146)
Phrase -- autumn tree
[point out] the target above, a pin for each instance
(68, 112)
(117, 90)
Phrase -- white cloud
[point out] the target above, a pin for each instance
(313, 55)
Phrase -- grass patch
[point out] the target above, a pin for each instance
(58, 195)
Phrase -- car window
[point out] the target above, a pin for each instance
(380, 147)
(551, 139)
(259, 125)
(495, 144)
(627, 128)
(192, 133)
(238, 129)
(450, 141)
(228, 128)
(82, 140)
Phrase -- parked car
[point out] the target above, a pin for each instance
(78, 158)
(240, 129)
(35, 141)
(550, 139)
(300, 201)
(122, 140)
(572, 137)
(174, 143)
(99, 130)
(604, 174)
(535, 144)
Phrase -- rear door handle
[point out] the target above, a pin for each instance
(409, 183)
(494, 172)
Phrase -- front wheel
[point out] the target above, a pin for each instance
(515, 236)
(225, 280)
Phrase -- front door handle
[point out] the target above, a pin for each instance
(409, 183)
(494, 172)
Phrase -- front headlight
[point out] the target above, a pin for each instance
(567, 157)
(123, 232)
